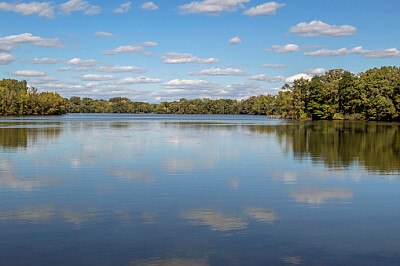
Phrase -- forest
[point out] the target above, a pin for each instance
(336, 95)
(19, 100)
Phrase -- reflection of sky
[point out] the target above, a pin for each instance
(321, 195)
(215, 219)
(8, 178)
(163, 191)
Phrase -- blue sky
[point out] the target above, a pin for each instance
(166, 50)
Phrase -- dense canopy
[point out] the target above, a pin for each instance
(338, 94)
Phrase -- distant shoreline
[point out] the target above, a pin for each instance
(336, 95)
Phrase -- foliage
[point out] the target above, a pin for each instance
(17, 99)
(336, 95)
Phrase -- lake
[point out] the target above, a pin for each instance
(135, 189)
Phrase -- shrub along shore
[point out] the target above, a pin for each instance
(338, 94)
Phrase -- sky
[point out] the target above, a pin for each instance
(165, 50)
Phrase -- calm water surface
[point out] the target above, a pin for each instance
(198, 190)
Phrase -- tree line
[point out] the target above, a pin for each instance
(17, 99)
(336, 95)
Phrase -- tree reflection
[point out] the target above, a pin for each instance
(22, 137)
(373, 145)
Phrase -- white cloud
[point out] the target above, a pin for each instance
(190, 84)
(264, 77)
(109, 68)
(11, 42)
(120, 69)
(95, 77)
(274, 66)
(150, 44)
(290, 48)
(45, 60)
(319, 28)
(82, 63)
(218, 71)
(377, 53)
(42, 9)
(44, 80)
(124, 49)
(264, 9)
(326, 52)
(63, 69)
(212, 7)
(234, 41)
(298, 76)
(139, 80)
(123, 8)
(315, 71)
(6, 59)
(104, 34)
(79, 5)
(178, 58)
(93, 10)
(149, 6)
(243, 90)
(29, 73)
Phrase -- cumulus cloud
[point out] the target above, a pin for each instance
(178, 58)
(149, 6)
(93, 10)
(190, 84)
(218, 71)
(103, 34)
(44, 80)
(274, 66)
(45, 60)
(243, 90)
(96, 77)
(319, 28)
(298, 76)
(63, 69)
(48, 9)
(212, 7)
(109, 68)
(234, 41)
(29, 73)
(315, 71)
(82, 63)
(264, 77)
(377, 53)
(290, 48)
(11, 42)
(124, 49)
(79, 5)
(150, 44)
(123, 8)
(138, 80)
(380, 53)
(42, 9)
(6, 59)
(264, 9)
(120, 69)
(327, 53)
